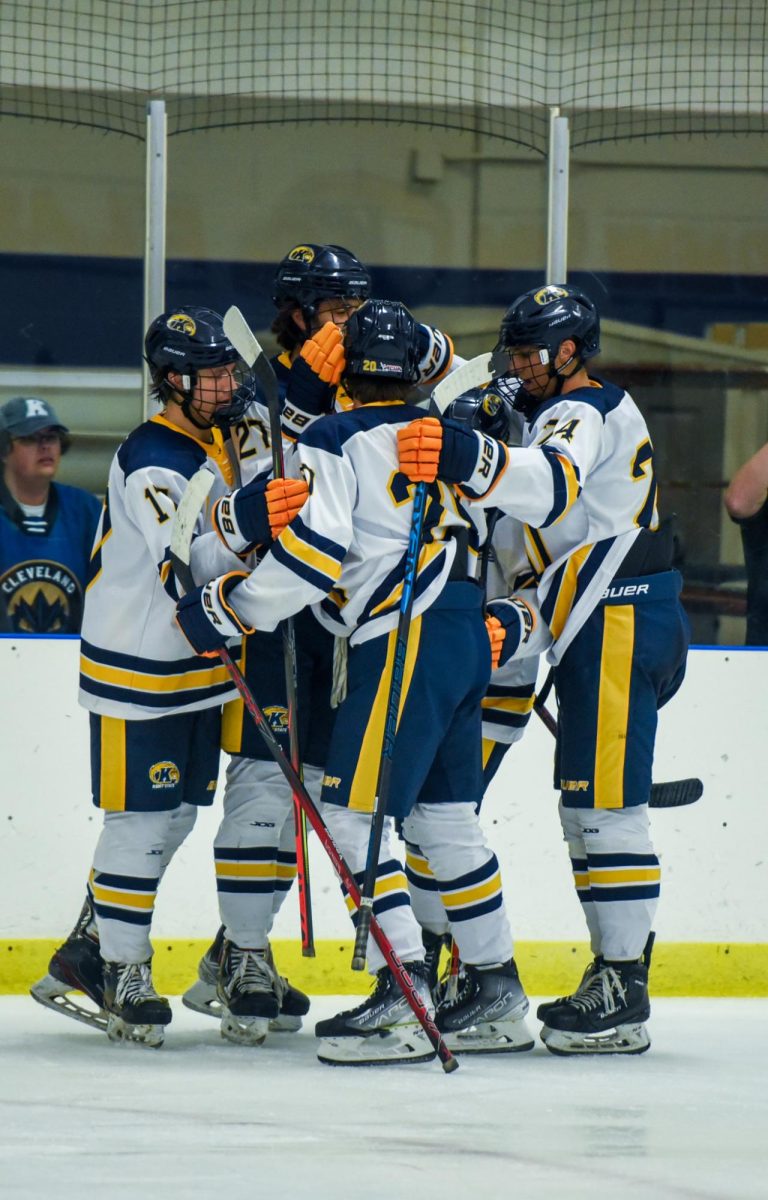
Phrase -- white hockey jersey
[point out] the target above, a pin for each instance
(345, 552)
(135, 663)
(583, 484)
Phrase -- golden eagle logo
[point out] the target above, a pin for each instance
(303, 254)
(164, 774)
(549, 293)
(182, 323)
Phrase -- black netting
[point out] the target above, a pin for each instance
(618, 68)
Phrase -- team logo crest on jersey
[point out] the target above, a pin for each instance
(303, 254)
(549, 293)
(277, 717)
(41, 596)
(164, 774)
(182, 323)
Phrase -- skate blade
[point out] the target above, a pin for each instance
(624, 1039)
(491, 1037)
(54, 994)
(244, 1031)
(406, 1045)
(120, 1031)
(202, 998)
(285, 1024)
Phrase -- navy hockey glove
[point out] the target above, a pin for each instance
(206, 618)
(258, 513)
(510, 624)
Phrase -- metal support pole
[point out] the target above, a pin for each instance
(557, 212)
(154, 235)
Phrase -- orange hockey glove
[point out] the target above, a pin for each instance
(496, 636)
(418, 448)
(285, 497)
(324, 353)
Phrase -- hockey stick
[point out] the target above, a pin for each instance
(184, 523)
(674, 794)
(471, 374)
(243, 339)
(383, 783)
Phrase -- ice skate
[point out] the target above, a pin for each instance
(76, 967)
(247, 991)
(607, 1016)
(202, 996)
(548, 1005)
(135, 1012)
(383, 1029)
(487, 1015)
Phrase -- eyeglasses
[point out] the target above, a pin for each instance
(38, 439)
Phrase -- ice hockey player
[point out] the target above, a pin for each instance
(316, 289)
(345, 553)
(605, 608)
(155, 709)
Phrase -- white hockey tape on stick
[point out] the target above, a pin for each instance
(471, 374)
(191, 505)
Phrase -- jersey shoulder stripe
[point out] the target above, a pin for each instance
(333, 432)
(604, 399)
(158, 444)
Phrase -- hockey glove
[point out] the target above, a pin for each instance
(510, 624)
(257, 513)
(316, 371)
(429, 447)
(206, 618)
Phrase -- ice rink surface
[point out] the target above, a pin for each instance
(201, 1118)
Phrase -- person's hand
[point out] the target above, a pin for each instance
(258, 513)
(207, 619)
(428, 448)
(316, 371)
(510, 624)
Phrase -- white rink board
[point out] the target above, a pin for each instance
(715, 875)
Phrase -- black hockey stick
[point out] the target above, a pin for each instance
(181, 537)
(243, 339)
(383, 783)
(674, 794)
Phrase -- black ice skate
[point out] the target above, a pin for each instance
(77, 967)
(487, 1015)
(548, 1005)
(383, 1029)
(607, 1016)
(203, 997)
(247, 991)
(135, 1012)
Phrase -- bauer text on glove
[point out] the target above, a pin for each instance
(206, 617)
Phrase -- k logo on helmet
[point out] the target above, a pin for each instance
(303, 254)
(182, 323)
(547, 294)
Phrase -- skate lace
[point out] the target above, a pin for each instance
(603, 991)
(251, 971)
(382, 986)
(135, 984)
(467, 990)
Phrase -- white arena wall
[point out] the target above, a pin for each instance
(712, 931)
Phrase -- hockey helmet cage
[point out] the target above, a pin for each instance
(382, 339)
(310, 273)
(488, 409)
(546, 316)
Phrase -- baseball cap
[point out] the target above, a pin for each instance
(24, 415)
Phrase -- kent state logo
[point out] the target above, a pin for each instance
(547, 294)
(41, 596)
(277, 717)
(303, 254)
(164, 774)
(491, 404)
(182, 323)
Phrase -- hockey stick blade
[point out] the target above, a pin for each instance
(250, 350)
(676, 793)
(187, 513)
(471, 374)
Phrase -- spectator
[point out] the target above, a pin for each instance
(46, 528)
(747, 503)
